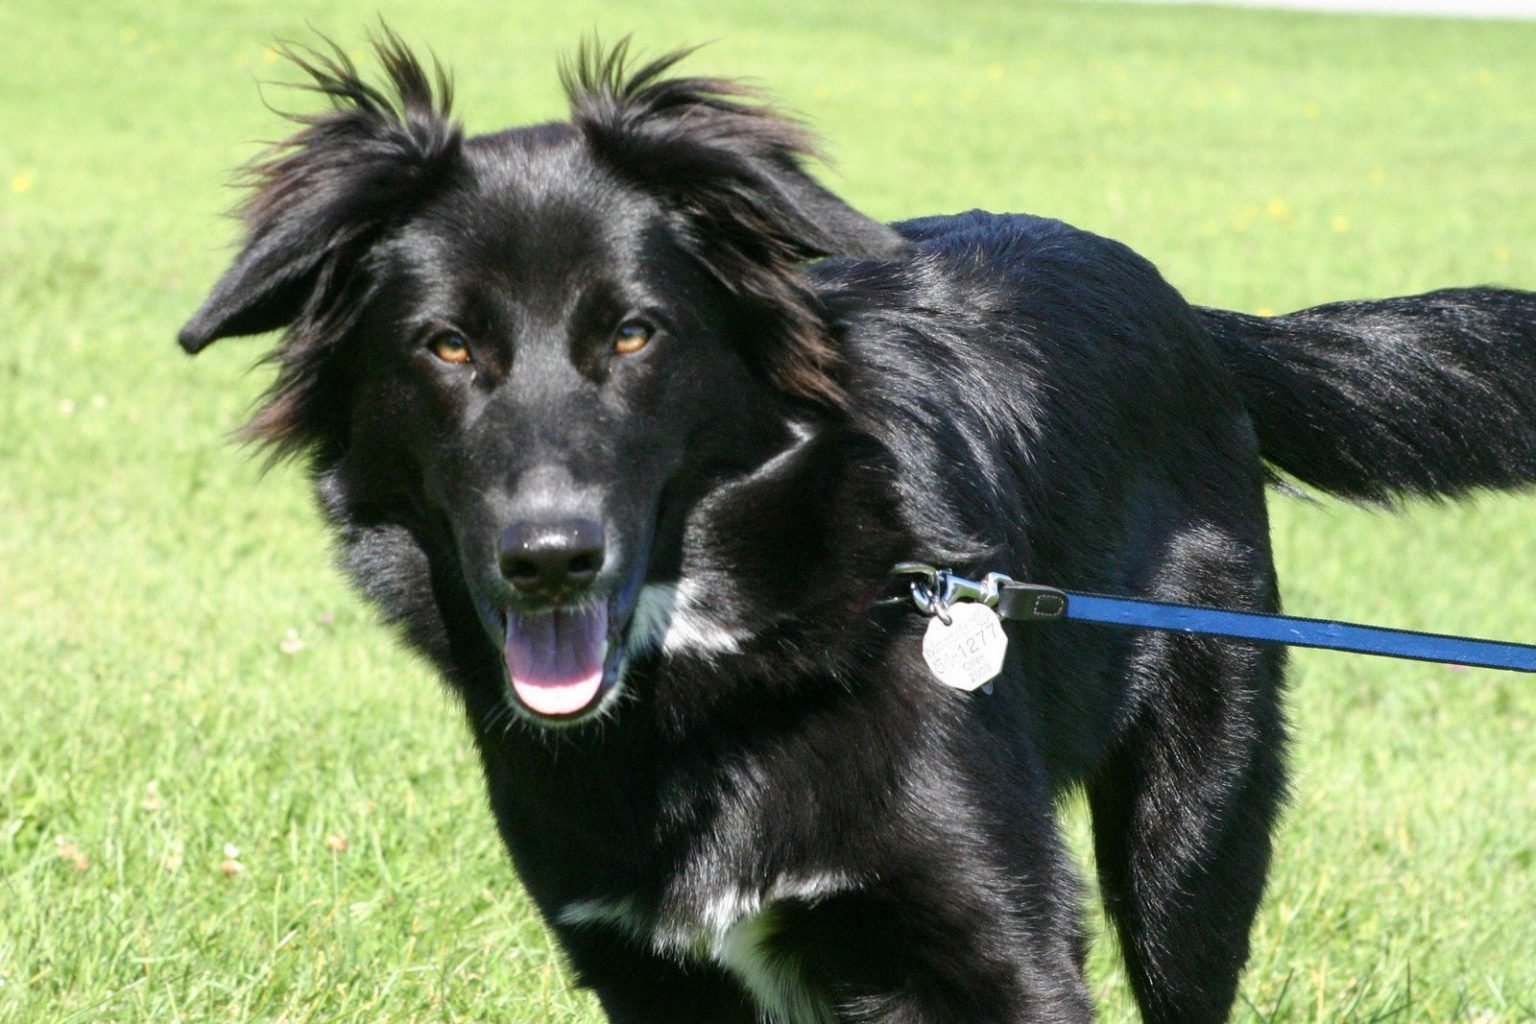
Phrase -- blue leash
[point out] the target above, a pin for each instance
(935, 590)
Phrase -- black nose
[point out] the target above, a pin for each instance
(552, 558)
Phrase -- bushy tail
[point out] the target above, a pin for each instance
(1423, 395)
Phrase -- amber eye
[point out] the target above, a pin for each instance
(450, 348)
(631, 337)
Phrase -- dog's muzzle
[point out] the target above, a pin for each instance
(557, 646)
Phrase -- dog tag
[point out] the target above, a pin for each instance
(968, 654)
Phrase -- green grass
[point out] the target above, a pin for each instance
(149, 576)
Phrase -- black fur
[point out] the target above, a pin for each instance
(771, 811)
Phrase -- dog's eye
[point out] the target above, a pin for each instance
(631, 337)
(450, 348)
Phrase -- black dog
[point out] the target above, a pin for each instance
(624, 421)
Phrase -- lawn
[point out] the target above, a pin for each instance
(226, 795)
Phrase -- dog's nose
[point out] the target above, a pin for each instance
(553, 558)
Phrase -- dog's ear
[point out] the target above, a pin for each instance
(321, 196)
(731, 170)
(715, 141)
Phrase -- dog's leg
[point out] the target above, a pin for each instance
(930, 953)
(939, 947)
(1182, 816)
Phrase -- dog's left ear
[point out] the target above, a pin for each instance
(323, 195)
(730, 171)
(716, 142)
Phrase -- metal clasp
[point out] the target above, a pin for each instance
(935, 590)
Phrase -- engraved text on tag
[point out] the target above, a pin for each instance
(968, 654)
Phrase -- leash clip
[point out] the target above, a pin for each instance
(935, 590)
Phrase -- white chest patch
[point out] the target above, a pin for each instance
(774, 980)
(736, 932)
(670, 616)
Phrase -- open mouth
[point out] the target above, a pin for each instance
(557, 660)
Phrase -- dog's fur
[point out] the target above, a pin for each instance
(770, 811)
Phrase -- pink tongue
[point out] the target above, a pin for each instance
(555, 660)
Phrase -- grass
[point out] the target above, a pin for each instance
(225, 795)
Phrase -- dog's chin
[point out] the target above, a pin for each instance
(564, 666)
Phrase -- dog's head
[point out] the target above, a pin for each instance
(536, 349)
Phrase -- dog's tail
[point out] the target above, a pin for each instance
(1428, 395)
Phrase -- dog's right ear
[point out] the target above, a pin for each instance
(324, 194)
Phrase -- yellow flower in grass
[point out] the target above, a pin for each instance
(23, 181)
(72, 855)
